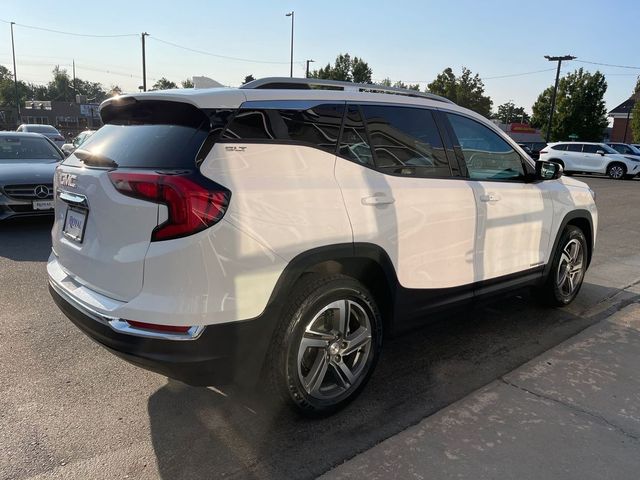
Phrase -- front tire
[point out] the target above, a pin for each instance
(568, 268)
(616, 171)
(326, 345)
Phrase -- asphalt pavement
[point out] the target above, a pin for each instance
(69, 409)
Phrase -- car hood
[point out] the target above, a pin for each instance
(26, 172)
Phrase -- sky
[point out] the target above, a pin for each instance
(411, 41)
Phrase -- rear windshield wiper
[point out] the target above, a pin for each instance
(95, 159)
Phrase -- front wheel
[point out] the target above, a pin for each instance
(568, 268)
(327, 344)
(616, 171)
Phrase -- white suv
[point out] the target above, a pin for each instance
(585, 157)
(276, 231)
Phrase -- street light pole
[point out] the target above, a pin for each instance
(144, 63)
(626, 125)
(555, 89)
(308, 62)
(292, 15)
(15, 75)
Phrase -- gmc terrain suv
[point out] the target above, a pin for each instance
(276, 231)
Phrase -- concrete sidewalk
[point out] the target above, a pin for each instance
(573, 412)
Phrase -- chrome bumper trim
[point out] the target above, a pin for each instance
(122, 326)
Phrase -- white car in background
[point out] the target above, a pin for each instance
(591, 157)
(69, 148)
(48, 131)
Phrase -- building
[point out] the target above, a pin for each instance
(69, 117)
(622, 115)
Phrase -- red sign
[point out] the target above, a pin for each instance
(521, 128)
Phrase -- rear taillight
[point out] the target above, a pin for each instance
(59, 138)
(542, 151)
(193, 202)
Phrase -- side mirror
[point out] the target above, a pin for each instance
(548, 170)
(600, 152)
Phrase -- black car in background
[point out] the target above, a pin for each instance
(27, 165)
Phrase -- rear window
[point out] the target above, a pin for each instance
(147, 134)
(41, 129)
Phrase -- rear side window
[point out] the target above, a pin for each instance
(574, 147)
(560, 146)
(313, 125)
(406, 141)
(146, 134)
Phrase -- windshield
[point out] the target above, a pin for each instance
(27, 148)
(41, 129)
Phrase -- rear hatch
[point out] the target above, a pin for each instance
(107, 193)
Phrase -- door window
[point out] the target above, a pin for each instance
(354, 143)
(406, 141)
(574, 147)
(486, 154)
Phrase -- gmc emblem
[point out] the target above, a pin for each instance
(67, 179)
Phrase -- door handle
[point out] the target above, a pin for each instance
(490, 197)
(377, 200)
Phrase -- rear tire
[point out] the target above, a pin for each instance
(326, 345)
(568, 268)
(616, 171)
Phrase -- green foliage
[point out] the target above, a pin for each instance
(248, 78)
(635, 123)
(580, 108)
(345, 69)
(467, 90)
(187, 83)
(509, 113)
(164, 84)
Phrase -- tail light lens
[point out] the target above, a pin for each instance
(194, 202)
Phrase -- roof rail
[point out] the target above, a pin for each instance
(289, 83)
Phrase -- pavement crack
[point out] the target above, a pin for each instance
(575, 408)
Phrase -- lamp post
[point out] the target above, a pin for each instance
(308, 62)
(144, 62)
(292, 15)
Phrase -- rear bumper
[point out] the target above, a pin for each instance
(221, 354)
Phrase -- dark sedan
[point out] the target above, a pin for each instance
(27, 165)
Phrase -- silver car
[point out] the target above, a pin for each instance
(48, 131)
(27, 165)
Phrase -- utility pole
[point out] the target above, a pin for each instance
(292, 15)
(15, 76)
(555, 89)
(75, 86)
(308, 62)
(626, 125)
(144, 64)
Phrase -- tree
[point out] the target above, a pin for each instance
(187, 83)
(467, 90)
(386, 82)
(345, 69)
(248, 78)
(635, 122)
(509, 113)
(114, 91)
(580, 108)
(164, 84)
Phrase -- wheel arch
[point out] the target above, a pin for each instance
(584, 221)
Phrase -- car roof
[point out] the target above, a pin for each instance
(22, 134)
(578, 142)
(351, 92)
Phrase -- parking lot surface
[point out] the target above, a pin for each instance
(69, 409)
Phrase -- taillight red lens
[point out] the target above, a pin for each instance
(194, 202)
(158, 328)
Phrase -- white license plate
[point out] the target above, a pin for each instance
(74, 224)
(43, 204)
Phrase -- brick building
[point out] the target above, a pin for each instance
(622, 116)
(69, 117)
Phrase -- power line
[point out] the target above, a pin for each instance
(73, 34)
(226, 57)
(608, 65)
(518, 74)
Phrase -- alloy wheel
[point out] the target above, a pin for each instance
(570, 267)
(616, 172)
(334, 350)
